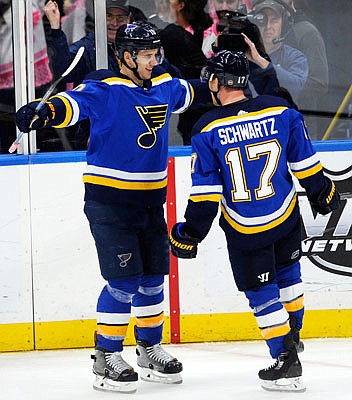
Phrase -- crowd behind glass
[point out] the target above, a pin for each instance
(308, 57)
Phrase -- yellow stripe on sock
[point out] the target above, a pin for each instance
(294, 305)
(275, 331)
(112, 330)
(150, 321)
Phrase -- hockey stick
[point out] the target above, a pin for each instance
(48, 93)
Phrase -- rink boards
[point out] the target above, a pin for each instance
(49, 275)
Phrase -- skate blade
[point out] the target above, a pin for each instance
(104, 384)
(150, 375)
(284, 385)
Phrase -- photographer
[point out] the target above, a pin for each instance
(274, 18)
(237, 33)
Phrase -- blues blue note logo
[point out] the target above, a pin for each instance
(154, 118)
(124, 258)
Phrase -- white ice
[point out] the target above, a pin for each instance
(217, 371)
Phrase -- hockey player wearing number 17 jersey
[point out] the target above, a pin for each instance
(242, 155)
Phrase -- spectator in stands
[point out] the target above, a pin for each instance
(42, 73)
(159, 15)
(291, 65)
(117, 14)
(226, 5)
(305, 36)
(237, 33)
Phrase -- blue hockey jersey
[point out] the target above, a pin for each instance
(243, 156)
(128, 146)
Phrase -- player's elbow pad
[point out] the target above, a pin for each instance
(328, 200)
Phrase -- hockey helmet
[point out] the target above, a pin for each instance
(231, 69)
(137, 36)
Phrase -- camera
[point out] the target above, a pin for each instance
(230, 27)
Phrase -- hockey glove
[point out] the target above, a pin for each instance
(25, 115)
(327, 201)
(182, 245)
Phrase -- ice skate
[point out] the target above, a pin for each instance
(156, 364)
(113, 374)
(285, 375)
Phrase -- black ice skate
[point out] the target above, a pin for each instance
(113, 374)
(285, 375)
(156, 364)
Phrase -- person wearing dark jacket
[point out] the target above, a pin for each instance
(117, 13)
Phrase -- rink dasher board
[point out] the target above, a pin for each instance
(49, 275)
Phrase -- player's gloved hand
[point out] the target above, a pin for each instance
(182, 245)
(328, 200)
(26, 113)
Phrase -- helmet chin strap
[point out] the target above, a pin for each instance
(215, 95)
(147, 84)
(134, 69)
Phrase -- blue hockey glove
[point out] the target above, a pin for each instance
(182, 245)
(26, 113)
(327, 201)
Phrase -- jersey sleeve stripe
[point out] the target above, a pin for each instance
(206, 197)
(188, 98)
(72, 110)
(308, 172)
(201, 189)
(306, 163)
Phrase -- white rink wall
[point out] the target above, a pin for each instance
(49, 274)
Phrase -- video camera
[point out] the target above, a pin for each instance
(230, 27)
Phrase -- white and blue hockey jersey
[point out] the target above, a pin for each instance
(242, 156)
(128, 146)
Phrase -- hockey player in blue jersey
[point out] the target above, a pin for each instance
(125, 189)
(242, 155)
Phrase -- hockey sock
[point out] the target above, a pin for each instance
(291, 292)
(114, 311)
(271, 316)
(148, 307)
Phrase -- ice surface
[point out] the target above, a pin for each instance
(217, 371)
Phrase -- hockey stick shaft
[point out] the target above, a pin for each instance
(46, 96)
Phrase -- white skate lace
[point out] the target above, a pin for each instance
(158, 354)
(277, 364)
(117, 363)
